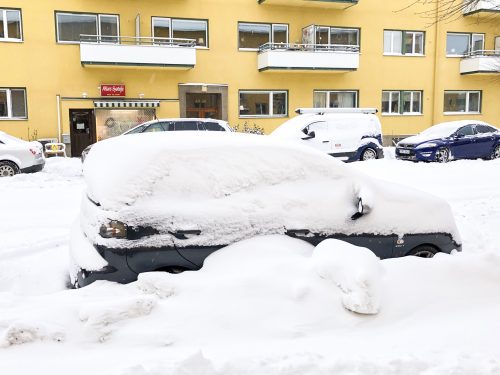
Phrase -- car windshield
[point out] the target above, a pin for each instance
(440, 130)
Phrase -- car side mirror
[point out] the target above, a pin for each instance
(310, 135)
(458, 135)
(361, 210)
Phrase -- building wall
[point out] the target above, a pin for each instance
(48, 69)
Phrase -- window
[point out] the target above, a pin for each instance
(397, 42)
(263, 104)
(213, 126)
(335, 99)
(186, 125)
(482, 129)
(337, 36)
(71, 26)
(10, 25)
(196, 30)
(465, 131)
(402, 102)
(13, 103)
(459, 44)
(462, 101)
(253, 35)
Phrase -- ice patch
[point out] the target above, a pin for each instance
(355, 270)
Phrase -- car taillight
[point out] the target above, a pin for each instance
(113, 229)
(33, 151)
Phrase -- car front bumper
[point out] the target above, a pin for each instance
(414, 154)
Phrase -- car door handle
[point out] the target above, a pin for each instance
(185, 234)
(326, 141)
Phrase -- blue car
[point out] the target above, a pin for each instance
(466, 139)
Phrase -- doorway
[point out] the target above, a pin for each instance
(201, 105)
(82, 129)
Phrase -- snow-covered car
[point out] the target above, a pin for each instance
(348, 134)
(180, 196)
(173, 124)
(465, 139)
(19, 156)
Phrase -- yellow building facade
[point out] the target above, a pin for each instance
(84, 70)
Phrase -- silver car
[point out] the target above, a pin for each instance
(18, 156)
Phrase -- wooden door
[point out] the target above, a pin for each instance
(82, 129)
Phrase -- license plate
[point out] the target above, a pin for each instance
(404, 151)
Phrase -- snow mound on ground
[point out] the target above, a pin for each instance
(21, 332)
(162, 284)
(100, 318)
(63, 167)
(355, 270)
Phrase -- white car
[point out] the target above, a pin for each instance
(349, 134)
(18, 156)
(176, 197)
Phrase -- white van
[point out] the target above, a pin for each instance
(349, 134)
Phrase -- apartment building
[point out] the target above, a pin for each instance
(82, 71)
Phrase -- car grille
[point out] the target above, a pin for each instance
(405, 151)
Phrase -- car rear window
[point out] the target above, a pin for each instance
(213, 126)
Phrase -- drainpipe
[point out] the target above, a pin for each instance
(436, 60)
(58, 102)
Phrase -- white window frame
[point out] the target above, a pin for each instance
(8, 91)
(98, 26)
(400, 102)
(171, 30)
(403, 33)
(328, 92)
(271, 103)
(4, 11)
(470, 43)
(330, 28)
(467, 102)
(271, 33)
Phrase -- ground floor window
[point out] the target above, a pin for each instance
(13, 103)
(335, 99)
(402, 102)
(263, 103)
(462, 101)
(112, 122)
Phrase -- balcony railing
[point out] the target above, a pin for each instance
(481, 7)
(483, 61)
(308, 57)
(137, 51)
(335, 4)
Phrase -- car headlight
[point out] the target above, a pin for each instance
(113, 229)
(427, 145)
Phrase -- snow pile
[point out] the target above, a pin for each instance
(247, 185)
(355, 270)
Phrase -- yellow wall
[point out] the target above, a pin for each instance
(48, 69)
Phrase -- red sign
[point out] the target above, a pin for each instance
(112, 90)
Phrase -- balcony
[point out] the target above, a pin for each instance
(332, 4)
(96, 50)
(482, 8)
(307, 57)
(485, 62)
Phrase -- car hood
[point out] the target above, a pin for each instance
(417, 139)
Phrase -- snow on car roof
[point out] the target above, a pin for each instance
(445, 129)
(233, 186)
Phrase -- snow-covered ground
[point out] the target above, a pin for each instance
(268, 305)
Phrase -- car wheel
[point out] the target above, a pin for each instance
(424, 251)
(8, 168)
(368, 154)
(496, 153)
(443, 155)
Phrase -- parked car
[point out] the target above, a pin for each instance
(349, 134)
(174, 124)
(19, 156)
(180, 196)
(466, 139)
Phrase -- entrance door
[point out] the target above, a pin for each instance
(82, 129)
(203, 105)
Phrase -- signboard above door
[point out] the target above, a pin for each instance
(112, 90)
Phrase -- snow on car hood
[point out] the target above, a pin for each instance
(235, 186)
